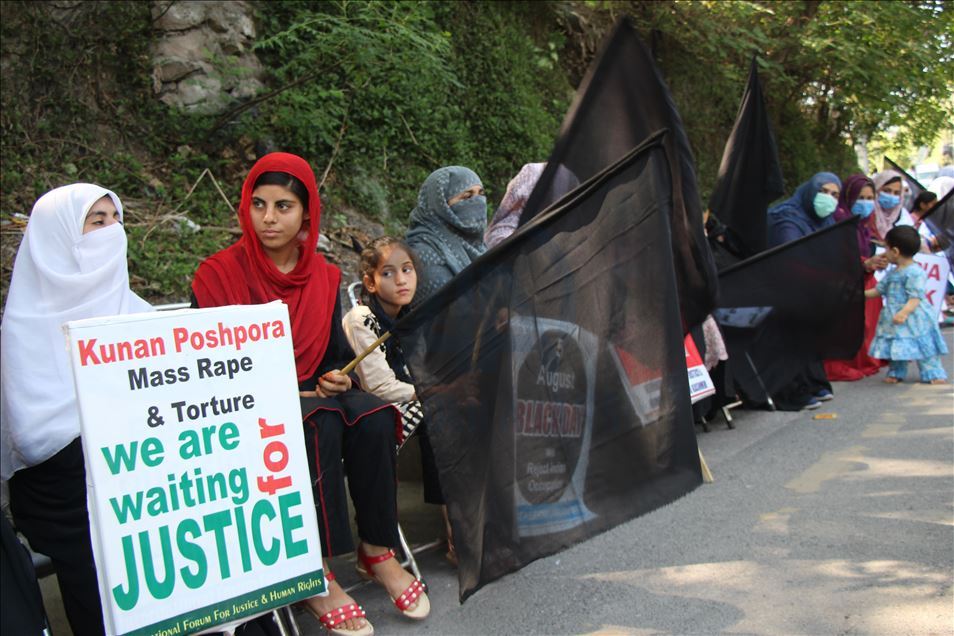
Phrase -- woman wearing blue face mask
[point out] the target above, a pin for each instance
(888, 210)
(810, 209)
(857, 199)
(446, 229)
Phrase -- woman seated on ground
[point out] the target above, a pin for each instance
(353, 431)
(446, 232)
(71, 265)
(921, 205)
(507, 217)
(857, 199)
(888, 208)
(942, 184)
(389, 280)
(810, 209)
(446, 229)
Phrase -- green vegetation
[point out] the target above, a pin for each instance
(393, 91)
(376, 95)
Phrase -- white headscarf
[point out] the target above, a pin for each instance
(941, 186)
(60, 274)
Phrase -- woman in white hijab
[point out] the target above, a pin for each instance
(70, 265)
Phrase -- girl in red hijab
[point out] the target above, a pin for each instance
(347, 432)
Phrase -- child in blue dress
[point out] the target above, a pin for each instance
(906, 329)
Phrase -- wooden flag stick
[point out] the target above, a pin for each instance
(481, 326)
(364, 354)
(706, 474)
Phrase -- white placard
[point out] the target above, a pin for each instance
(937, 269)
(200, 500)
(700, 382)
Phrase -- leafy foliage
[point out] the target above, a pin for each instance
(376, 95)
(77, 105)
(834, 73)
(393, 91)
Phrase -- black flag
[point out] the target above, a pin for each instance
(916, 187)
(622, 101)
(940, 220)
(553, 375)
(791, 305)
(750, 176)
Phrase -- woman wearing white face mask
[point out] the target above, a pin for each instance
(70, 265)
(446, 229)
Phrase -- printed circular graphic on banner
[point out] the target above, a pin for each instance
(550, 417)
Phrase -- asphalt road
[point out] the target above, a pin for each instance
(812, 526)
(842, 526)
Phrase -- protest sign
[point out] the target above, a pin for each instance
(937, 269)
(643, 387)
(700, 383)
(554, 372)
(200, 501)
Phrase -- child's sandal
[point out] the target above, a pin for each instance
(891, 380)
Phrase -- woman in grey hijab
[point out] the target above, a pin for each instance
(447, 227)
(447, 234)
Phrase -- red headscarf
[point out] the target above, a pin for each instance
(243, 275)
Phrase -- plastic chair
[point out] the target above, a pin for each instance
(283, 617)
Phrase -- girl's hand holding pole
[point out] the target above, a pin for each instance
(329, 385)
(332, 383)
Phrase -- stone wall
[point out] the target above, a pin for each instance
(203, 58)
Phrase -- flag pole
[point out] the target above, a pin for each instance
(364, 354)
(706, 473)
(481, 326)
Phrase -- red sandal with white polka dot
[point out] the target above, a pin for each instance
(331, 620)
(415, 592)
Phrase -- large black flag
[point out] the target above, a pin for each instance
(750, 176)
(792, 305)
(622, 101)
(552, 372)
